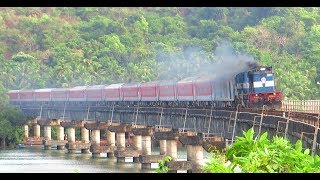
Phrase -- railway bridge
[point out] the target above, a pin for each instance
(133, 131)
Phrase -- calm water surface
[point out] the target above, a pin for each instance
(38, 160)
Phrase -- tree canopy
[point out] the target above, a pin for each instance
(51, 47)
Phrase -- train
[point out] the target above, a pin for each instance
(252, 88)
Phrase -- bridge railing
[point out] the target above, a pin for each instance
(309, 106)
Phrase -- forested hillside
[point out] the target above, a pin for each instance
(66, 47)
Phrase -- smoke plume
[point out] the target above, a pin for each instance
(223, 63)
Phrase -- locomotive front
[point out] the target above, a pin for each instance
(263, 89)
(256, 88)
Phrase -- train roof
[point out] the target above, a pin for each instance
(13, 91)
(26, 90)
(112, 86)
(43, 90)
(60, 89)
(135, 84)
(167, 82)
(96, 87)
(150, 83)
(77, 88)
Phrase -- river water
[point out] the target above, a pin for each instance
(38, 160)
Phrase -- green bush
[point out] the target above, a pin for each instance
(162, 167)
(258, 154)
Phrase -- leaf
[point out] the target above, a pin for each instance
(298, 145)
(263, 137)
(167, 158)
(307, 151)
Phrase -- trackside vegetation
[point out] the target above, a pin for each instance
(257, 154)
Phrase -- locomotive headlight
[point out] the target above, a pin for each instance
(256, 94)
(274, 93)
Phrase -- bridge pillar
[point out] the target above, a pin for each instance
(121, 144)
(163, 147)
(121, 152)
(137, 144)
(47, 135)
(194, 150)
(95, 143)
(36, 130)
(168, 144)
(189, 153)
(72, 145)
(142, 144)
(195, 155)
(146, 150)
(85, 138)
(60, 137)
(172, 149)
(111, 138)
(71, 140)
(26, 131)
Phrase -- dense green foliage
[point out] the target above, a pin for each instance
(258, 154)
(162, 165)
(65, 46)
(11, 121)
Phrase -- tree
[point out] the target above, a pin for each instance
(11, 121)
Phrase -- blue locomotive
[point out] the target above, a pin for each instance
(256, 87)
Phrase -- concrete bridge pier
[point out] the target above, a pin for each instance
(163, 147)
(121, 153)
(95, 143)
(48, 142)
(189, 152)
(142, 145)
(194, 151)
(47, 136)
(195, 155)
(26, 131)
(71, 140)
(36, 130)
(137, 139)
(168, 145)
(172, 149)
(85, 139)
(146, 150)
(60, 137)
(121, 144)
(111, 138)
(96, 147)
(72, 145)
(164, 136)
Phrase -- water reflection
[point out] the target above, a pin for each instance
(38, 160)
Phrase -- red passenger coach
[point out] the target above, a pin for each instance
(26, 95)
(149, 91)
(95, 93)
(60, 94)
(78, 93)
(14, 95)
(167, 91)
(185, 90)
(203, 89)
(42, 94)
(223, 90)
(112, 92)
(131, 92)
